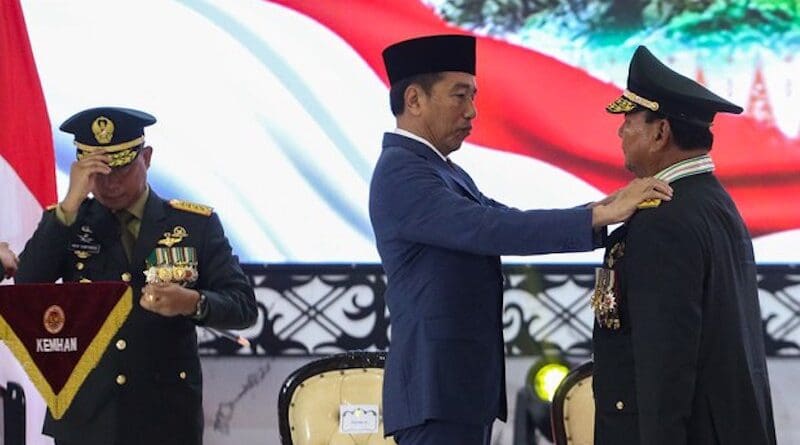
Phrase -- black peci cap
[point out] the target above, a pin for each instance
(654, 86)
(119, 131)
(430, 54)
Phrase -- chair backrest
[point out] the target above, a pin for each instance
(343, 389)
(572, 411)
(12, 429)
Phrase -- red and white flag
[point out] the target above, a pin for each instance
(27, 164)
(27, 172)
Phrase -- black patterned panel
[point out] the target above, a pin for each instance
(325, 309)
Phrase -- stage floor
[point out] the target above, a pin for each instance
(241, 396)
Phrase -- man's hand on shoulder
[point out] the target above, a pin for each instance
(621, 205)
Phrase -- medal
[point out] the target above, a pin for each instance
(605, 300)
(172, 264)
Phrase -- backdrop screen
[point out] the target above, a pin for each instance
(272, 112)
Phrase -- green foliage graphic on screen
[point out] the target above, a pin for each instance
(600, 23)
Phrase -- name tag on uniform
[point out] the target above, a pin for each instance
(91, 249)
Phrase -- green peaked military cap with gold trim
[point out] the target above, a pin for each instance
(654, 86)
(118, 131)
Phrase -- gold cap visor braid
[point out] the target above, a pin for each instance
(629, 101)
(121, 154)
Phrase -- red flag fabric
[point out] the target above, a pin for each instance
(537, 106)
(59, 332)
(27, 160)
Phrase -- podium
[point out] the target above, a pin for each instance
(59, 332)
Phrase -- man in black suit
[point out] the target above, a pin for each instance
(147, 387)
(678, 346)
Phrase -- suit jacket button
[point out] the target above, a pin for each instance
(121, 379)
(182, 375)
(620, 405)
(79, 265)
(121, 344)
(126, 277)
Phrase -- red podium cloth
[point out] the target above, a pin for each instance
(59, 332)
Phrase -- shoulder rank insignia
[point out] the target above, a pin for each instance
(191, 207)
(649, 204)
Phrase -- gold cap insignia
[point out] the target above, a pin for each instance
(54, 319)
(103, 129)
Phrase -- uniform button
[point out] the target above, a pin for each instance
(126, 277)
(121, 344)
(620, 405)
(79, 265)
(121, 379)
(182, 375)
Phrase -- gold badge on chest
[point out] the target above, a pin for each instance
(172, 264)
(605, 299)
(177, 235)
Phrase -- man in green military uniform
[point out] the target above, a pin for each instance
(678, 345)
(147, 387)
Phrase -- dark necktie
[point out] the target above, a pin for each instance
(126, 234)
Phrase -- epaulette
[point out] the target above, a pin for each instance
(649, 204)
(51, 207)
(191, 207)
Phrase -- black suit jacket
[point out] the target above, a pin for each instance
(160, 400)
(687, 364)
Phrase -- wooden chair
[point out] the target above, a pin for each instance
(319, 397)
(572, 411)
